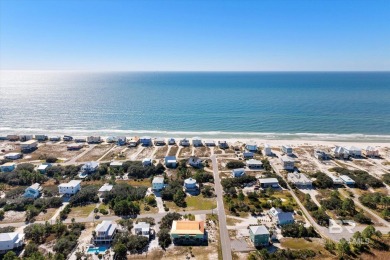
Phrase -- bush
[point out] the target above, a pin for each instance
(51, 159)
(298, 230)
(103, 211)
(235, 164)
(164, 238)
(86, 195)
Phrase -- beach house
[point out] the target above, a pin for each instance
(340, 152)
(121, 140)
(223, 145)
(268, 182)
(89, 167)
(8, 167)
(147, 162)
(170, 161)
(24, 138)
(196, 141)
(73, 147)
(281, 218)
(12, 138)
(347, 180)
(159, 142)
(43, 167)
(336, 180)
(184, 142)
(105, 232)
(259, 235)
(54, 138)
(116, 164)
(158, 183)
(195, 162)
(354, 151)
(187, 232)
(10, 241)
(93, 139)
(13, 156)
(254, 164)
(33, 191)
(29, 145)
(142, 229)
(171, 141)
(105, 188)
(288, 163)
(80, 139)
(321, 155)
(111, 139)
(41, 138)
(67, 138)
(69, 188)
(238, 172)
(247, 155)
(286, 149)
(251, 147)
(145, 140)
(209, 142)
(267, 150)
(191, 186)
(372, 151)
(299, 179)
(134, 141)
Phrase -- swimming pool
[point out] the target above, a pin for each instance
(99, 250)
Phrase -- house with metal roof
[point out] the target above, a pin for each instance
(286, 149)
(187, 232)
(254, 164)
(105, 232)
(10, 241)
(251, 147)
(147, 162)
(69, 188)
(259, 235)
(288, 163)
(105, 188)
(145, 140)
(196, 141)
(170, 161)
(238, 172)
(268, 182)
(267, 150)
(142, 229)
(158, 183)
(299, 179)
(33, 191)
(280, 217)
(8, 167)
(195, 162)
(347, 180)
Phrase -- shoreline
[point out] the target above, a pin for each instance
(216, 135)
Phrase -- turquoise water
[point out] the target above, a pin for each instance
(321, 105)
(99, 250)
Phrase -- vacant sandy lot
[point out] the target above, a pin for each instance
(145, 153)
(96, 153)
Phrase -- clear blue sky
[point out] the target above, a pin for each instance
(195, 35)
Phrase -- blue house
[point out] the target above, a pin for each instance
(170, 161)
(33, 191)
(281, 218)
(247, 155)
(238, 172)
(145, 140)
(251, 147)
(8, 167)
(121, 140)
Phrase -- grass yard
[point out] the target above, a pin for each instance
(136, 183)
(46, 216)
(173, 150)
(194, 203)
(151, 210)
(232, 221)
(300, 243)
(81, 211)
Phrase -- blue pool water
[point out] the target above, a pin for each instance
(99, 250)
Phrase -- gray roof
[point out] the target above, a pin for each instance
(285, 216)
(158, 180)
(4, 237)
(268, 180)
(259, 230)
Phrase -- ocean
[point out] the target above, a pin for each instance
(269, 105)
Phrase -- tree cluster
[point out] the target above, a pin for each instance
(362, 178)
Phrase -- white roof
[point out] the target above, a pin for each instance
(116, 163)
(268, 180)
(254, 161)
(286, 158)
(142, 225)
(4, 237)
(267, 146)
(106, 226)
(72, 183)
(146, 160)
(158, 180)
(13, 154)
(106, 187)
(8, 164)
(29, 142)
(43, 166)
(346, 178)
(259, 230)
(35, 186)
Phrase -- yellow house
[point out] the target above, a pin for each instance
(187, 231)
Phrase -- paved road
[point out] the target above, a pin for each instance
(224, 234)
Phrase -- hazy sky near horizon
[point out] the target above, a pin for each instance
(195, 35)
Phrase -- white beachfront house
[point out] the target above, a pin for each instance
(354, 151)
(105, 188)
(340, 152)
(8, 167)
(105, 232)
(33, 191)
(336, 180)
(372, 151)
(142, 229)
(28, 145)
(89, 167)
(195, 162)
(288, 163)
(254, 164)
(158, 183)
(13, 156)
(267, 150)
(286, 149)
(196, 141)
(238, 172)
(10, 241)
(347, 180)
(147, 162)
(184, 142)
(69, 188)
(299, 179)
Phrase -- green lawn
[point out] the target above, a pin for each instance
(194, 203)
(81, 211)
